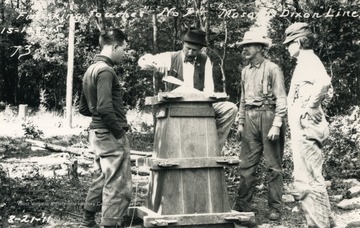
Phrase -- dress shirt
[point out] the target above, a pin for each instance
(163, 60)
(252, 89)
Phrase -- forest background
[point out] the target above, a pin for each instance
(34, 43)
(34, 63)
(34, 51)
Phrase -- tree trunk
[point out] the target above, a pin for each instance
(70, 68)
(155, 51)
(155, 33)
(222, 65)
(175, 34)
(101, 20)
(207, 24)
(2, 55)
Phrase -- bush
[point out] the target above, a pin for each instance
(32, 131)
(342, 149)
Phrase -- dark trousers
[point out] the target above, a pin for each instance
(254, 145)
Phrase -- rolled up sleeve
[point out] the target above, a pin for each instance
(241, 113)
(320, 92)
(280, 95)
(155, 62)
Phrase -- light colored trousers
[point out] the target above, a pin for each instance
(225, 114)
(308, 178)
(110, 192)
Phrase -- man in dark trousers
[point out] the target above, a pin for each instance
(261, 124)
(101, 99)
(194, 68)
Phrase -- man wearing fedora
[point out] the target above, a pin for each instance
(261, 124)
(194, 68)
(310, 90)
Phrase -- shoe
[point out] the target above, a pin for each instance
(89, 220)
(239, 208)
(274, 215)
(88, 224)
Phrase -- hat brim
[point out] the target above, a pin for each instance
(264, 42)
(293, 37)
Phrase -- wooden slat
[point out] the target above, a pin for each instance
(202, 219)
(191, 112)
(196, 191)
(218, 194)
(172, 201)
(198, 137)
(165, 97)
(191, 163)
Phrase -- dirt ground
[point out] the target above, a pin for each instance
(38, 190)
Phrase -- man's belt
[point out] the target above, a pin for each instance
(263, 107)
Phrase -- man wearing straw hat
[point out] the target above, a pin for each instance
(310, 90)
(261, 124)
(194, 69)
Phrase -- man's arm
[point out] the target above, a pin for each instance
(241, 112)
(159, 62)
(278, 87)
(105, 106)
(83, 106)
(242, 100)
(320, 90)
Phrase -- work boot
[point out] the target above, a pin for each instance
(274, 215)
(89, 220)
(241, 208)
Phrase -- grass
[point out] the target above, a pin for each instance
(27, 191)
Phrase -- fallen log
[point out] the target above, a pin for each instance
(57, 148)
(80, 151)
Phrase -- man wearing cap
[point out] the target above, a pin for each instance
(194, 68)
(261, 124)
(310, 90)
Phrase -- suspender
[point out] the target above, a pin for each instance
(265, 81)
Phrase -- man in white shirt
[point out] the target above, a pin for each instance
(194, 68)
(310, 89)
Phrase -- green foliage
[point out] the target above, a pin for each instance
(31, 130)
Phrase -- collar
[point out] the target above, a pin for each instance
(105, 59)
(257, 65)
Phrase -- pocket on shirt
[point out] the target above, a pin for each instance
(303, 91)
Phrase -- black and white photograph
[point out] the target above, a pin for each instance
(180, 113)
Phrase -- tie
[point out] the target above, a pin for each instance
(186, 60)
